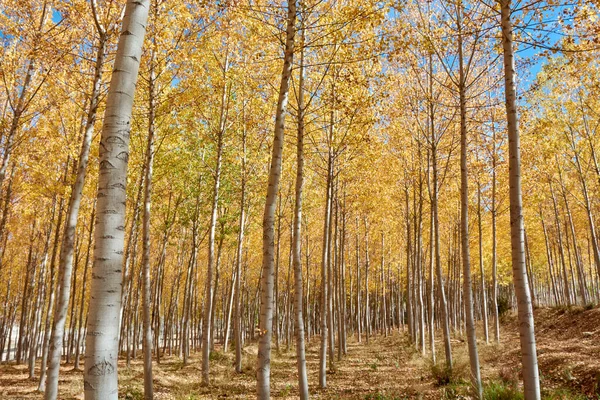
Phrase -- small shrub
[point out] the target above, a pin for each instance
(509, 376)
(501, 391)
(286, 391)
(456, 391)
(503, 306)
(373, 366)
(132, 393)
(248, 366)
(459, 373)
(217, 356)
(442, 374)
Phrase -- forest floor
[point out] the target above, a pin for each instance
(387, 368)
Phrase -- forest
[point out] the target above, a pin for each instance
(362, 199)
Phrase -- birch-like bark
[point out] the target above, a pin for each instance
(83, 290)
(237, 323)
(53, 277)
(68, 237)
(207, 328)
(297, 236)
(464, 212)
(324, 279)
(438, 262)
(146, 285)
(358, 312)
(102, 339)
(263, 363)
(531, 377)
(494, 243)
(484, 310)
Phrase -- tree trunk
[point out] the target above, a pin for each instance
(147, 324)
(237, 323)
(83, 290)
(325, 260)
(464, 207)
(484, 310)
(68, 239)
(207, 328)
(531, 378)
(494, 244)
(102, 339)
(297, 237)
(263, 364)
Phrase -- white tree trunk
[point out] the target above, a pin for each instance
(237, 323)
(68, 237)
(297, 238)
(263, 362)
(146, 286)
(464, 222)
(102, 338)
(531, 377)
(207, 328)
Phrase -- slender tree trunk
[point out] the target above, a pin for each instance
(408, 269)
(464, 181)
(237, 323)
(83, 290)
(324, 278)
(100, 375)
(297, 236)
(565, 276)
(531, 378)
(431, 291)
(263, 364)
(484, 310)
(438, 263)
(207, 328)
(147, 324)
(358, 280)
(494, 244)
(367, 263)
(51, 301)
(68, 239)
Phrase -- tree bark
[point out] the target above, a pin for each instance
(68, 237)
(207, 328)
(102, 339)
(531, 378)
(147, 324)
(297, 236)
(263, 364)
(464, 223)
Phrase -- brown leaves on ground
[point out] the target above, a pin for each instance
(388, 368)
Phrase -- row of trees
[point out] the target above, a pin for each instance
(392, 161)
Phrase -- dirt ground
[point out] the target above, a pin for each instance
(388, 368)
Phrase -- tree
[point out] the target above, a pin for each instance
(531, 379)
(68, 237)
(266, 285)
(100, 376)
(297, 235)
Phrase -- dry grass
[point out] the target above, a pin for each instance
(388, 368)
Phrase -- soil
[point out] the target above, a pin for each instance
(387, 368)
